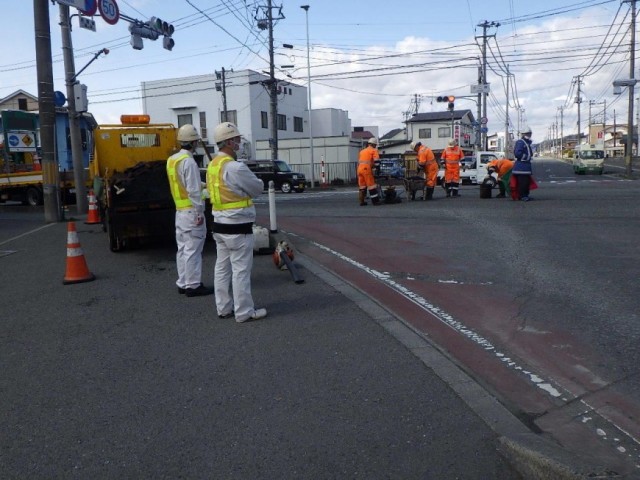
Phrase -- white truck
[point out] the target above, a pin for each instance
(588, 158)
(473, 168)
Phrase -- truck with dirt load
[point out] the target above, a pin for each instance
(130, 180)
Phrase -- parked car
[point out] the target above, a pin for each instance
(284, 179)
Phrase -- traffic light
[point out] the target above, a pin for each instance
(168, 43)
(139, 31)
(165, 29)
(161, 26)
(143, 30)
(447, 98)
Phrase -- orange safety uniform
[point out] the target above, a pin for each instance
(451, 157)
(366, 161)
(501, 165)
(428, 163)
(503, 168)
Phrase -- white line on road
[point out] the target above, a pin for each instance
(447, 319)
(27, 233)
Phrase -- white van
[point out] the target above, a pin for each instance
(588, 158)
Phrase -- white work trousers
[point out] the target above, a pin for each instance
(232, 280)
(190, 240)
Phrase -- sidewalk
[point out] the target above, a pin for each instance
(122, 377)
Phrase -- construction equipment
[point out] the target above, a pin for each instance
(130, 180)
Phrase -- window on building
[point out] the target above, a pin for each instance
(203, 124)
(232, 116)
(264, 119)
(282, 122)
(22, 104)
(444, 132)
(297, 124)
(185, 119)
(424, 133)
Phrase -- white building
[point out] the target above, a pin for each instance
(200, 100)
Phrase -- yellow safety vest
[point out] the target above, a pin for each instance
(221, 196)
(178, 192)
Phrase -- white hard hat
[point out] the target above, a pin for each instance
(188, 133)
(372, 141)
(415, 144)
(526, 129)
(225, 131)
(452, 142)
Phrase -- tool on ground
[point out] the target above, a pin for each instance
(283, 259)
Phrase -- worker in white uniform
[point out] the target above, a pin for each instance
(191, 230)
(232, 186)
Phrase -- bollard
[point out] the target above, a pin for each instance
(324, 179)
(273, 224)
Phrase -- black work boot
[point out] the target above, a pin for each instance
(199, 291)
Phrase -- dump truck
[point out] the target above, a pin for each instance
(130, 180)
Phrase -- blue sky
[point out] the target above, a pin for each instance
(369, 58)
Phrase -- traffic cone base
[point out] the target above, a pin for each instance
(93, 217)
(77, 270)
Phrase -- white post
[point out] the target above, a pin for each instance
(273, 224)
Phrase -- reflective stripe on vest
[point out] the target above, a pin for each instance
(178, 192)
(221, 196)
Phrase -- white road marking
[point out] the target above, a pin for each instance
(448, 320)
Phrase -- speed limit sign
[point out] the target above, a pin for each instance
(109, 11)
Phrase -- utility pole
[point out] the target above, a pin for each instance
(615, 133)
(506, 118)
(478, 142)
(632, 66)
(306, 14)
(579, 101)
(416, 103)
(273, 88)
(561, 131)
(74, 125)
(222, 87)
(485, 25)
(272, 82)
(46, 105)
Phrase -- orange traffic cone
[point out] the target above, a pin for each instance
(77, 270)
(93, 216)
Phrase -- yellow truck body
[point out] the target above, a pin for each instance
(130, 180)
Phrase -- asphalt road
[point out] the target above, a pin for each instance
(123, 378)
(537, 301)
(430, 340)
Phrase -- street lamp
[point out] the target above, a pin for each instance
(306, 13)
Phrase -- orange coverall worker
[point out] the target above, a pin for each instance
(451, 157)
(502, 167)
(429, 165)
(366, 161)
